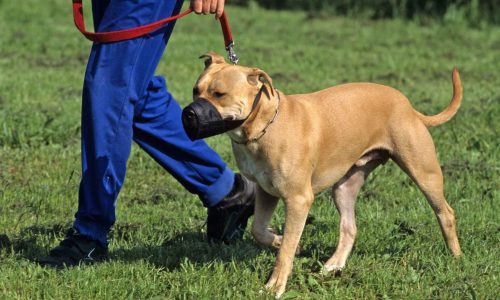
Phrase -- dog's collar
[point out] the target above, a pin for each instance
(263, 131)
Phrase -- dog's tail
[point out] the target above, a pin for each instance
(452, 108)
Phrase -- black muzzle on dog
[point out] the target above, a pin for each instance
(201, 119)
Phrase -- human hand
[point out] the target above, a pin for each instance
(208, 6)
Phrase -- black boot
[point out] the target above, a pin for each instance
(227, 220)
(73, 250)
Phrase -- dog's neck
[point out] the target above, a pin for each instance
(262, 118)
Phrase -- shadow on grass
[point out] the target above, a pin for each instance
(31, 244)
(27, 244)
(191, 247)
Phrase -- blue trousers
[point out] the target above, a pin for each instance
(124, 101)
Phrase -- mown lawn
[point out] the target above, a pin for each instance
(158, 245)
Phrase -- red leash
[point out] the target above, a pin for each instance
(126, 34)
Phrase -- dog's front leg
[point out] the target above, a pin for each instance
(297, 208)
(264, 208)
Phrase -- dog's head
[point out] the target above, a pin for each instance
(224, 96)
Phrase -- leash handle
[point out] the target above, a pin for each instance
(127, 34)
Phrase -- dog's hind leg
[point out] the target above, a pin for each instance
(345, 192)
(416, 155)
(264, 208)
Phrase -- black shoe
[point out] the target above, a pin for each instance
(227, 220)
(73, 250)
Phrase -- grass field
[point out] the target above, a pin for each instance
(158, 246)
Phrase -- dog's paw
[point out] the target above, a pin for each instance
(278, 239)
(278, 291)
(334, 269)
(277, 283)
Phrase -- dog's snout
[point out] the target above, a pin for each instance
(201, 119)
(190, 114)
(190, 122)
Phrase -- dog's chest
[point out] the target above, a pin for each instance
(256, 168)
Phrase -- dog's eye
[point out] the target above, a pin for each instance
(196, 91)
(219, 94)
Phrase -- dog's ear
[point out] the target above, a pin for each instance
(255, 75)
(212, 58)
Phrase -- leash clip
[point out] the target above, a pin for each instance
(231, 54)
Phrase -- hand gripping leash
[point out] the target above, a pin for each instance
(126, 34)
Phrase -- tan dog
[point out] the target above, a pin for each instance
(295, 146)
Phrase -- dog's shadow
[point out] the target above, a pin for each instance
(193, 248)
(187, 248)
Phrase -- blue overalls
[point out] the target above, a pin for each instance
(124, 101)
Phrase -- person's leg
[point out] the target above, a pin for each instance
(116, 77)
(115, 80)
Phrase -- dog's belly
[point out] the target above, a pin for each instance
(327, 178)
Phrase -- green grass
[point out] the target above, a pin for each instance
(158, 247)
